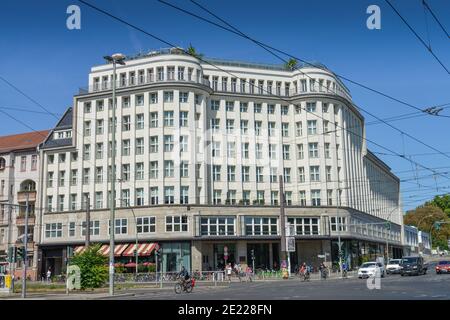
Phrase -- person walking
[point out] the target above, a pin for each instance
(49, 275)
(229, 270)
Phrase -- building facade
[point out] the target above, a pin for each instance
(19, 177)
(411, 240)
(424, 242)
(201, 149)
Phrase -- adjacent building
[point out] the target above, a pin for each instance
(201, 149)
(19, 179)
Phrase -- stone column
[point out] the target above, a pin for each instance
(196, 256)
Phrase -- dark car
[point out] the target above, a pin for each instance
(443, 267)
(412, 266)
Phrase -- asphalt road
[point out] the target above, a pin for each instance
(392, 287)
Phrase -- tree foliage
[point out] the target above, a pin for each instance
(424, 217)
(442, 202)
(193, 52)
(291, 64)
(93, 267)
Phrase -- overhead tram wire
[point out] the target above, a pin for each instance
(299, 59)
(225, 71)
(284, 60)
(418, 37)
(426, 5)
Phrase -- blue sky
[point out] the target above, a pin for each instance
(49, 62)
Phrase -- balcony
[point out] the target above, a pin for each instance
(167, 77)
(22, 196)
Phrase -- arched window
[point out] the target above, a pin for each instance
(28, 185)
(2, 163)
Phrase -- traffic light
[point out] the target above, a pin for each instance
(12, 254)
(252, 252)
(20, 253)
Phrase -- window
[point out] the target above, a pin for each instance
(245, 152)
(284, 110)
(168, 118)
(327, 151)
(313, 150)
(168, 169)
(302, 197)
(183, 118)
(272, 151)
(98, 200)
(216, 173)
(62, 178)
(154, 195)
(342, 221)
(274, 198)
(270, 108)
(230, 125)
(231, 149)
(260, 196)
(23, 163)
(259, 174)
(229, 106)
(50, 159)
(49, 203)
(153, 119)
(99, 105)
(125, 198)
(153, 97)
(215, 124)
(86, 173)
(139, 121)
(176, 223)
(99, 150)
(217, 226)
(300, 153)
(287, 175)
(139, 192)
(33, 162)
(257, 108)
(298, 129)
(258, 125)
(245, 174)
(217, 196)
(315, 197)
(146, 224)
(285, 129)
(170, 73)
(231, 173)
(154, 144)
(215, 152)
(273, 175)
(180, 73)
(328, 169)
(314, 173)
(168, 143)
(49, 179)
(215, 105)
(243, 107)
(312, 127)
(120, 226)
(183, 97)
(87, 151)
(184, 169)
(330, 197)
(126, 147)
(154, 169)
(53, 230)
(139, 100)
(99, 128)
(272, 129)
(257, 226)
(184, 194)
(311, 107)
(139, 171)
(87, 107)
(305, 226)
(71, 229)
(168, 96)
(288, 198)
(326, 129)
(61, 203)
(286, 153)
(244, 126)
(94, 228)
(125, 102)
(139, 146)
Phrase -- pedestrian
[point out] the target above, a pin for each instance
(229, 270)
(49, 275)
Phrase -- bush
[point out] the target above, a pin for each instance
(93, 267)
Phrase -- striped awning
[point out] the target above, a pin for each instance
(144, 249)
(79, 249)
(118, 249)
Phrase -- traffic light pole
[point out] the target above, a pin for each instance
(25, 253)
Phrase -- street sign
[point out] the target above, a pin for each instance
(290, 244)
(290, 230)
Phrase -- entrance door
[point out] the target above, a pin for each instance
(171, 262)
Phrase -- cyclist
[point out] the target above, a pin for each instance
(344, 269)
(323, 270)
(184, 276)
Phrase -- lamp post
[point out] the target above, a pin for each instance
(115, 59)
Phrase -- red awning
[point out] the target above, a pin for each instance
(144, 249)
(118, 249)
(79, 249)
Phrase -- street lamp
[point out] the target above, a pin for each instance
(115, 59)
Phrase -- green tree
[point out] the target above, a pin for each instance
(193, 52)
(93, 267)
(442, 202)
(424, 217)
(291, 64)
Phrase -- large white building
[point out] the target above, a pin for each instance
(200, 148)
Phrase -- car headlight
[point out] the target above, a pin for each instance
(415, 267)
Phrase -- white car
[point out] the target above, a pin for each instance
(370, 269)
(393, 266)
